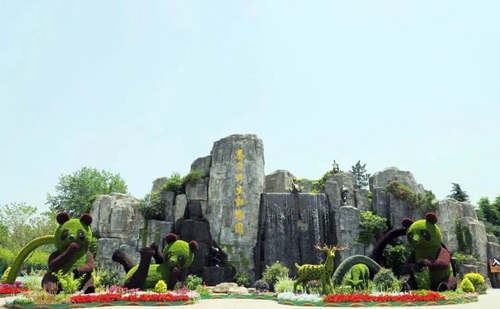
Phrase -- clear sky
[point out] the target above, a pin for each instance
(143, 88)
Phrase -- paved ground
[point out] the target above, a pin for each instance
(490, 300)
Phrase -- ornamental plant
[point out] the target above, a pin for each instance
(467, 286)
(360, 298)
(273, 272)
(160, 287)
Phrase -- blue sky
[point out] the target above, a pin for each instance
(144, 89)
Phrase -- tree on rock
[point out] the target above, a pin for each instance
(360, 175)
(458, 194)
(74, 191)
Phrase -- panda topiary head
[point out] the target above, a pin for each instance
(178, 253)
(423, 233)
(73, 231)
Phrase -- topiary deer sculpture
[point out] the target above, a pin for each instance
(323, 272)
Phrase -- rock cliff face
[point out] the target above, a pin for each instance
(237, 180)
(256, 220)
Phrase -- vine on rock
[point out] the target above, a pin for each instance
(424, 202)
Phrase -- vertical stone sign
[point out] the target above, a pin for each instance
(237, 180)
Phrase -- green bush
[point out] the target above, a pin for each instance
(467, 286)
(284, 284)
(423, 279)
(109, 278)
(371, 226)
(68, 283)
(160, 287)
(273, 272)
(242, 279)
(193, 177)
(395, 256)
(37, 260)
(385, 281)
(6, 257)
(424, 202)
(174, 183)
(192, 282)
(202, 290)
(93, 246)
(151, 207)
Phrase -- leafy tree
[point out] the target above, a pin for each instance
(458, 194)
(360, 175)
(25, 224)
(75, 190)
(489, 213)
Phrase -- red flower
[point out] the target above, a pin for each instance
(110, 297)
(359, 298)
(12, 290)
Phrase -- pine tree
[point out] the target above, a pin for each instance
(360, 175)
(458, 194)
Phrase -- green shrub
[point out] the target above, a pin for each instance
(283, 284)
(425, 202)
(202, 290)
(192, 282)
(423, 279)
(242, 279)
(193, 177)
(33, 283)
(160, 287)
(385, 281)
(109, 278)
(6, 257)
(174, 183)
(261, 286)
(68, 283)
(370, 226)
(93, 246)
(395, 256)
(37, 260)
(152, 207)
(467, 286)
(273, 272)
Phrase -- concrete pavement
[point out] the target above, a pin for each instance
(490, 300)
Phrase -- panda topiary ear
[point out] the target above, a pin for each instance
(62, 217)
(170, 238)
(86, 219)
(407, 222)
(431, 217)
(193, 245)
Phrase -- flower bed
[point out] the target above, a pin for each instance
(368, 300)
(10, 289)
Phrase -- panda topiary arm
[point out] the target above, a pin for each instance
(87, 268)
(57, 261)
(443, 260)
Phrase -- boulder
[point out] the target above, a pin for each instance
(332, 189)
(105, 249)
(383, 178)
(347, 180)
(116, 215)
(158, 184)
(479, 240)
(347, 232)
(202, 164)
(239, 290)
(168, 200)
(279, 181)
(237, 180)
(361, 200)
(306, 186)
(197, 191)
(158, 230)
(180, 206)
(493, 252)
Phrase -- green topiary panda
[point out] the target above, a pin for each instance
(424, 237)
(177, 255)
(72, 241)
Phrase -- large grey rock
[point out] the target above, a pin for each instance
(157, 230)
(168, 200)
(493, 252)
(279, 181)
(116, 215)
(361, 200)
(347, 232)
(180, 206)
(292, 225)
(383, 178)
(381, 202)
(239, 234)
(448, 211)
(202, 164)
(347, 180)
(306, 186)
(197, 191)
(105, 249)
(332, 189)
(158, 184)
(479, 240)
(492, 238)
